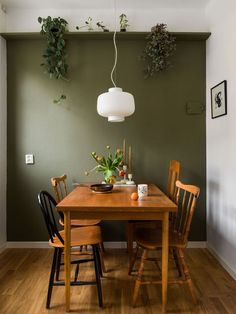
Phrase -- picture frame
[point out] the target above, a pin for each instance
(219, 100)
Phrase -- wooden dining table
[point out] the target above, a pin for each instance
(83, 203)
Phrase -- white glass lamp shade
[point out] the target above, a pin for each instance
(115, 104)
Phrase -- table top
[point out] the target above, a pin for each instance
(83, 199)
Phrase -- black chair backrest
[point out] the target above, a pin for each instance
(48, 205)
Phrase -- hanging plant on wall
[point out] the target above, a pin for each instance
(55, 53)
(159, 48)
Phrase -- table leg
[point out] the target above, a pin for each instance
(165, 251)
(67, 258)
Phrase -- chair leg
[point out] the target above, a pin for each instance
(187, 276)
(76, 272)
(176, 258)
(97, 273)
(101, 259)
(157, 265)
(130, 239)
(102, 247)
(51, 278)
(133, 260)
(58, 264)
(138, 281)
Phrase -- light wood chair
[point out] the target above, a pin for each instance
(151, 240)
(90, 235)
(60, 191)
(173, 176)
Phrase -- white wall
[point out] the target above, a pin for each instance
(177, 19)
(221, 134)
(2, 19)
(3, 144)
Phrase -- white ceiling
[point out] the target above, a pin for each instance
(105, 4)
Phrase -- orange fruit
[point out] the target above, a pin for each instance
(134, 196)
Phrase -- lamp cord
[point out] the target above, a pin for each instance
(114, 66)
(115, 47)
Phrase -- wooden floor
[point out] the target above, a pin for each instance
(24, 279)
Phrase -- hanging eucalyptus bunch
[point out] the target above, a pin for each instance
(55, 53)
(159, 48)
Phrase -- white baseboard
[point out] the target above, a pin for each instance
(45, 245)
(222, 261)
(3, 246)
(197, 245)
(28, 245)
(108, 245)
(115, 245)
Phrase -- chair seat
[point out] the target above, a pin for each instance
(151, 239)
(80, 236)
(82, 222)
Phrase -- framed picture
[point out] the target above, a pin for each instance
(219, 100)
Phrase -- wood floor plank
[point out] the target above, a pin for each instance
(24, 277)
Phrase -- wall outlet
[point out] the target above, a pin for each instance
(29, 159)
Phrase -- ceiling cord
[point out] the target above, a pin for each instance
(115, 47)
(114, 66)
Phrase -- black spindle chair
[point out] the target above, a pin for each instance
(79, 236)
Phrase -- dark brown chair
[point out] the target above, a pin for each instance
(173, 176)
(151, 239)
(90, 235)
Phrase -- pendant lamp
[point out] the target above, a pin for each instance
(115, 104)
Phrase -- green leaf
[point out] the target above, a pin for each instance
(55, 53)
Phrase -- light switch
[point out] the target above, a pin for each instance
(29, 159)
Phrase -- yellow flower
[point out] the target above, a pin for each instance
(108, 165)
(112, 179)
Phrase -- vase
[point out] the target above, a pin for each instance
(109, 176)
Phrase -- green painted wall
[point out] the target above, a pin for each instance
(62, 136)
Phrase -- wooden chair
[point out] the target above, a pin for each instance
(90, 235)
(173, 176)
(60, 190)
(151, 239)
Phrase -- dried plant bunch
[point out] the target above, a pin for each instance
(159, 48)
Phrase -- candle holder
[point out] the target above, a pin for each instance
(125, 171)
(130, 181)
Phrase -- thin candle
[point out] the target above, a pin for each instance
(124, 151)
(130, 159)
